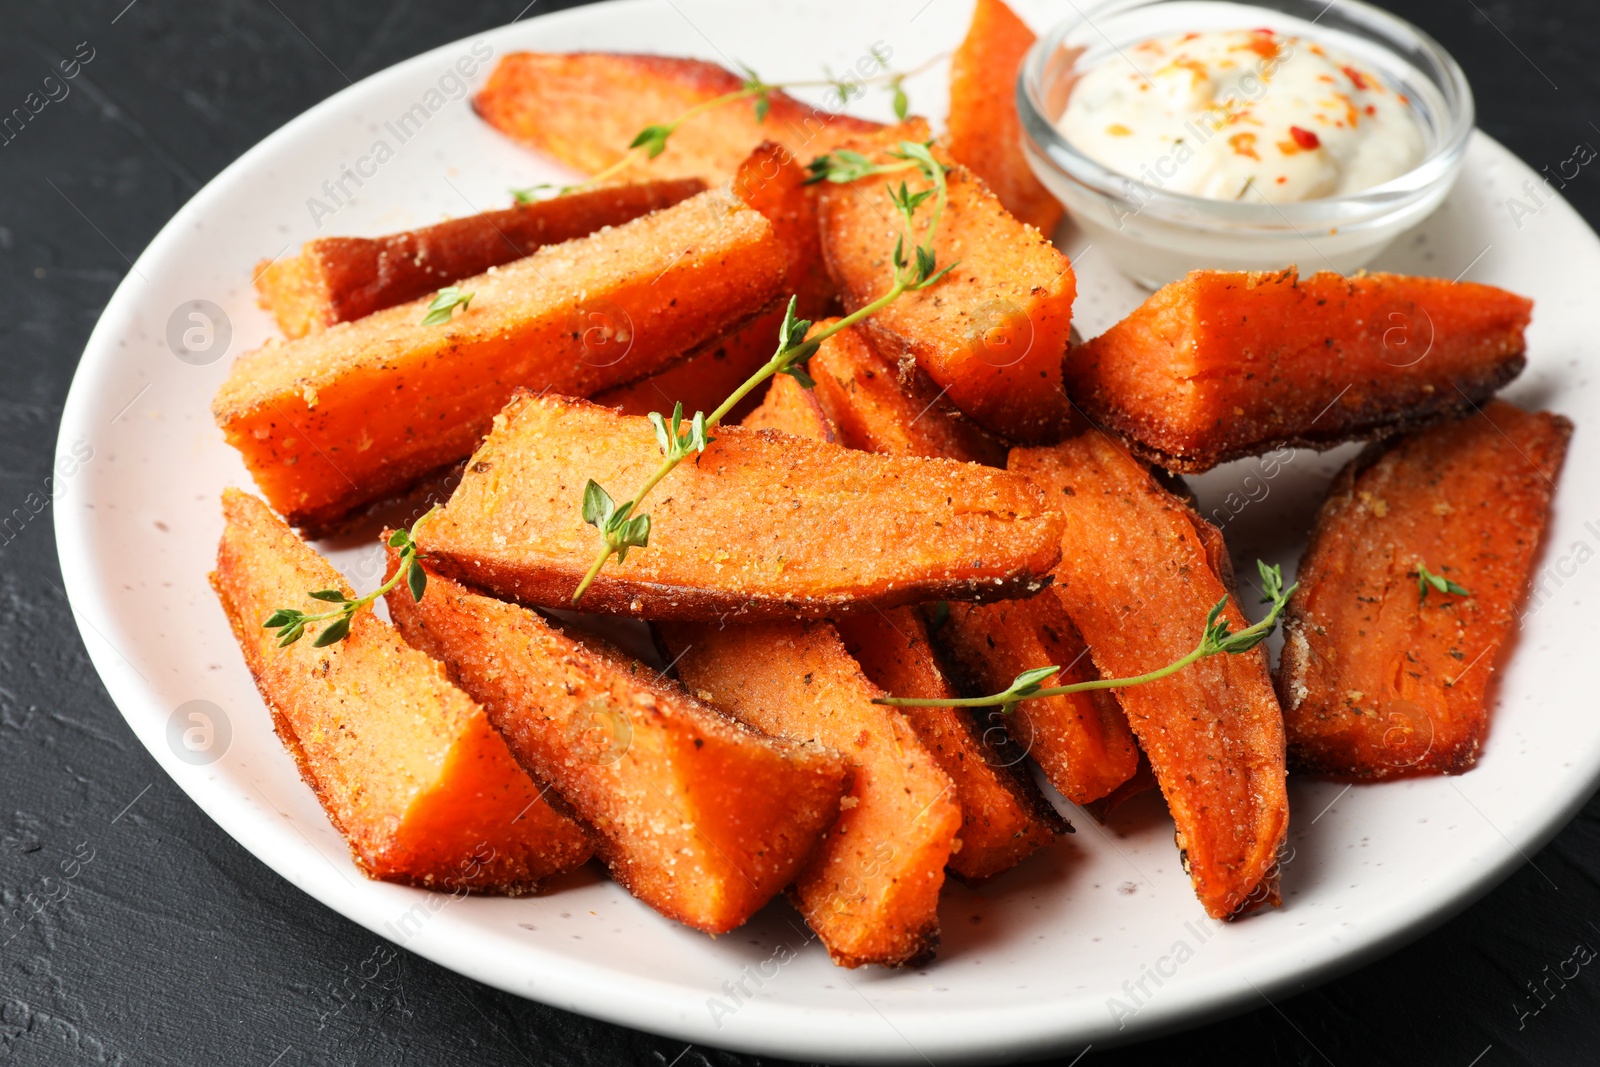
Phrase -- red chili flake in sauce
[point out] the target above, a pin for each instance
(1305, 138)
(1282, 178)
(1355, 77)
(1372, 109)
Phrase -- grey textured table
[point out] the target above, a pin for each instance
(175, 946)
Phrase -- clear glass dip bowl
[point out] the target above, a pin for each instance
(1155, 236)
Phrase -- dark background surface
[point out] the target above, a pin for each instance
(175, 946)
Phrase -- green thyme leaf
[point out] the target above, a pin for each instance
(333, 632)
(447, 300)
(598, 506)
(333, 596)
(1426, 580)
(416, 580)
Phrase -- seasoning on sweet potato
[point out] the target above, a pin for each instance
(871, 892)
(1004, 817)
(585, 109)
(992, 332)
(700, 817)
(358, 412)
(984, 132)
(751, 528)
(340, 279)
(1226, 364)
(1138, 578)
(863, 395)
(1377, 679)
(706, 378)
(1081, 741)
(405, 764)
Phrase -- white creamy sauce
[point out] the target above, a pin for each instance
(1243, 114)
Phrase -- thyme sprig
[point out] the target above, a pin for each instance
(623, 526)
(1216, 639)
(651, 141)
(1427, 580)
(291, 623)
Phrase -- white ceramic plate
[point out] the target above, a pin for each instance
(1031, 962)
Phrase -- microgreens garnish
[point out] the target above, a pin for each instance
(447, 300)
(651, 141)
(622, 526)
(1216, 639)
(291, 623)
(1426, 580)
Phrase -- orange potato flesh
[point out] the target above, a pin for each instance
(789, 407)
(585, 108)
(984, 132)
(1004, 817)
(993, 331)
(872, 890)
(1227, 364)
(1081, 741)
(1137, 577)
(1378, 681)
(751, 528)
(861, 393)
(360, 411)
(700, 817)
(704, 380)
(405, 764)
(340, 279)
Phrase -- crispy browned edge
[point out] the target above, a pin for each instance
(1371, 422)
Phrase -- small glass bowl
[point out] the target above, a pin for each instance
(1155, 236)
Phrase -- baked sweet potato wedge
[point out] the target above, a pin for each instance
(1081, 741)
(358, 412)
(1377, 679)
(706, 378)
(700, 817)
(983, 130)
(775, 184)
(1138, 575)
(1226, 364)
(405, 764)
(340, 279)
(990, 334)
(750, 528)
(585, 109)
(871, 892)
(874, 412)
(1004, 817)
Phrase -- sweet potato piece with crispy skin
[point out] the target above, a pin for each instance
(1137, 577)
(1080, 741)
(1004, 817)
(774, 183)
(405, 764)
(340, 279)
(698, 816)
(355, 413)
(871, 892)
(706, 378)
(984, 132)
(1377, 680)
(789, 407)
(1226, 364)
(585, 108)
(992, 332)
(750, 528)
(862, 394)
